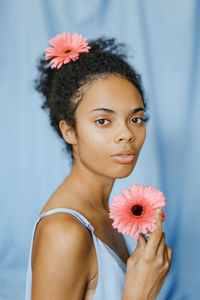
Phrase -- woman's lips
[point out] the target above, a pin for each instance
(123, 159)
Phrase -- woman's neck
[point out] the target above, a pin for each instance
(91, 188)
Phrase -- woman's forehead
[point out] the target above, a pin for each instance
(112, 93)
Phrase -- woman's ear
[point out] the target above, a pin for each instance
(68, 132)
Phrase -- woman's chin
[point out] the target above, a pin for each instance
(123, 172)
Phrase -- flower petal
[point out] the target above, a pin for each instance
(145, 197)
(127, 194)
(63, 42)
(144, 227)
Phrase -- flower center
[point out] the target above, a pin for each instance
(67, 51)
(137, 210)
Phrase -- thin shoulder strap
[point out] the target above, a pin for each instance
(79, 216)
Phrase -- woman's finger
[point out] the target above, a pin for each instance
(169, 253)
(162, 246)
(166, 254)
(142, 240)
(155, 237)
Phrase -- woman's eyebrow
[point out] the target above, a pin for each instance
(108, 110)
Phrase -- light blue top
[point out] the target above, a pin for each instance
(111, 269)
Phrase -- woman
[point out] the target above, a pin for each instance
(96, 105)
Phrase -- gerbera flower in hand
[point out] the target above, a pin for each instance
(135, 209)
(66, 47)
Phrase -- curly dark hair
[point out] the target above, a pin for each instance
(61, 88)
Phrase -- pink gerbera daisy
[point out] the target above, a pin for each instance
(135, 209)
(66, 47)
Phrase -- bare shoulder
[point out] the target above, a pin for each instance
(61, 252)
(65, 227)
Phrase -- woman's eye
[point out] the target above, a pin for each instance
(140, 119)
(101, 121)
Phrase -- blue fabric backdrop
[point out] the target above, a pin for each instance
(165, 39)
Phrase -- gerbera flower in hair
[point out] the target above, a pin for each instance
(65, 47)
(135, 210)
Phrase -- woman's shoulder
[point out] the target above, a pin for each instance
(61, 250)
(61, 225)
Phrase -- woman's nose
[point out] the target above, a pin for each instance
(124, 134)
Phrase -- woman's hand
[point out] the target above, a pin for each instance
(148, 266)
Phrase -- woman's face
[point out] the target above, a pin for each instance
(107, 125)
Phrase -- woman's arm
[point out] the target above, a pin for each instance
(148, 266)
(60, 259)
